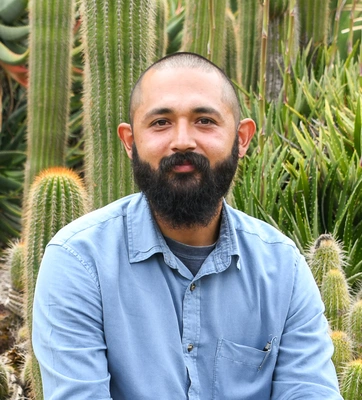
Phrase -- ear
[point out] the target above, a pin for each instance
(125, 134)
(246, 132)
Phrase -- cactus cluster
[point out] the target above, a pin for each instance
(56, 197)
(344, 313)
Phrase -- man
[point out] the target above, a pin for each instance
(171, 294)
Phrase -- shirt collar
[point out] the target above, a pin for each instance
(146, 239)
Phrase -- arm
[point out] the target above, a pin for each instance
(304, 368)
(68, 337)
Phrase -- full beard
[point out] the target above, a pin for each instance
(185, 200)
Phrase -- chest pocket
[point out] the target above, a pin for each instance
(242, 372)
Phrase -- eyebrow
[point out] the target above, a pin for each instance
(197, 110)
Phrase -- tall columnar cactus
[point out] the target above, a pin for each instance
(342, 350)
(232, 60)
(325, 254)
(119, 43)
(355, 327)
(161, 28)
(50, 44)
(351, 384)
(249, 21)
(314, 21)
(204, 29)
(56, 197)
(283, 44)
(336, 298)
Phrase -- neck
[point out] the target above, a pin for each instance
(193, 236)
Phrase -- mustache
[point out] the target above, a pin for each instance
(200, 162)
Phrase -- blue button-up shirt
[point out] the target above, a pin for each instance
(117, 315)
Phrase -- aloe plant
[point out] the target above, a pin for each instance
(204, 29)
(117, 48)
(56, 197)
(51, 40)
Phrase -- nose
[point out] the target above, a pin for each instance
(183, 138)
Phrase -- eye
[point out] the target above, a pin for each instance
(160, 122)
(205, 121)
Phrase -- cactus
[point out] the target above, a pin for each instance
(351, 384)
(232, 60)
(161, 29)
(314, 21)
(325, 254)
(204, 29)
(342, 350)
(119, 43)
(4, 385)
(15, 260)
(50, 44)
(249, 34)
(336, 298)
(355, 327)
(56, 197)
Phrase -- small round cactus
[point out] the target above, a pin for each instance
(342, 350)
(336, 298)
(325, 254)
(351, 384)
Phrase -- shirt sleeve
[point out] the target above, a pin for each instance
(304, 369)
(67, 337)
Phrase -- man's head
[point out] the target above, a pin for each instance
(187, 61)
(185, 138)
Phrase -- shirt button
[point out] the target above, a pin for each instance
(190, 347)
(193, 287)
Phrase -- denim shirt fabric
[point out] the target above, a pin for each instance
(118, 316)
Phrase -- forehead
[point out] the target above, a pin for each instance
(184, 84)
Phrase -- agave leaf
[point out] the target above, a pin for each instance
(358, 129)
(10, 10)
(8, 57)
(13, 32)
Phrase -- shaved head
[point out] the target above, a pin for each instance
(187, 61)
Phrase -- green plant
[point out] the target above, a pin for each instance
(355, 327)
(325, 254)
(51, 41)
(342, 350)
(162, 10)
(4, 385)
(351, 384)
(336, 298)
(56, 197)
(204, 29)
(117, 48)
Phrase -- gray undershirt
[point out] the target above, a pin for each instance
(192, 256)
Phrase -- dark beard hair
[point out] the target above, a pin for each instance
(185, 200)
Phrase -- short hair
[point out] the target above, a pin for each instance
(188, 60)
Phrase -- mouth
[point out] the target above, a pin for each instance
(184, 167)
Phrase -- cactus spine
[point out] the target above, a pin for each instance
(355, 327)
(351, 384)
(119, 44)
(204, 29)
(4, 385)
(324, 255)
(342, 350)
(51, 39)
(56, 197)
